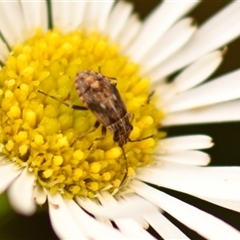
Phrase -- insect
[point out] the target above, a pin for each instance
(100, 95)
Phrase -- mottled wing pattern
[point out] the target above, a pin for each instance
(105, 102)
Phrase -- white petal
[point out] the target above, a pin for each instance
(118, 19)
(126, 36)
(35, 15)
(224, 112)
(20, 193)
(158, 22)
(132, 230)
(128, 226)
(189, 142)
(205, 224)
(173, 40)
(211, 182)
(194, 74)
(164, 227)
(61, 219)
(60, 15)
(62, 11)
(12, 28)
(39, 195)
(87, 223)
(7, 175)
(123, 210)
(218, 90)
(140, 220)
(186, 157)
(106, 8)
(131, 227)
(215, 33)
(96, 14)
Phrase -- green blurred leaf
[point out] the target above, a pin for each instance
(5, 207)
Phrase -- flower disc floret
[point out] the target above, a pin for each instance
(41, 133)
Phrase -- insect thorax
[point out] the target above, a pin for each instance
(101, 97)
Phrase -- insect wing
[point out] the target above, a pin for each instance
(105, 102)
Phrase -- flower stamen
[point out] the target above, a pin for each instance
(38, 131)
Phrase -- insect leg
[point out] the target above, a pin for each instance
(104, 131)
(63, 102)
(126, 162)
(113, 79)
(92, 129)
(141, 139)
(150, 97)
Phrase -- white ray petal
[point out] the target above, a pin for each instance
(164, 227)
(221, 89)
(3, 51)
(215, 33)
(104, 220)
(35, 15)
(39, 195)
(97, 14)
(126, 36)
(20, 193)
(61, 219)
(104, 15)
(133, 198)
(61, 15)
(194, 74)
(224, 112)
(211, 182)
(141, 222)
(164, 16)
(189, 157)
(172, 40)
(128, 226)
(198, 71)
(132, 230)
(124, 209)
(118, 19)
(188, 142)
(7, 175)
(205, 224)
(88, 223)
(161, 89)
(12, 28)
(63, 11)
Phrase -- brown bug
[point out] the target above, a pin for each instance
(101, 96)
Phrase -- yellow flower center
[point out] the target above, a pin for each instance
(40, 133)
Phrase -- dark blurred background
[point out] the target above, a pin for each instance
(226, 151)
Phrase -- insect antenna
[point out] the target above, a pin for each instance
(150, 97)
(63, 102)
(126, 166)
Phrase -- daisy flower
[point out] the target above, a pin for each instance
(96, 188)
